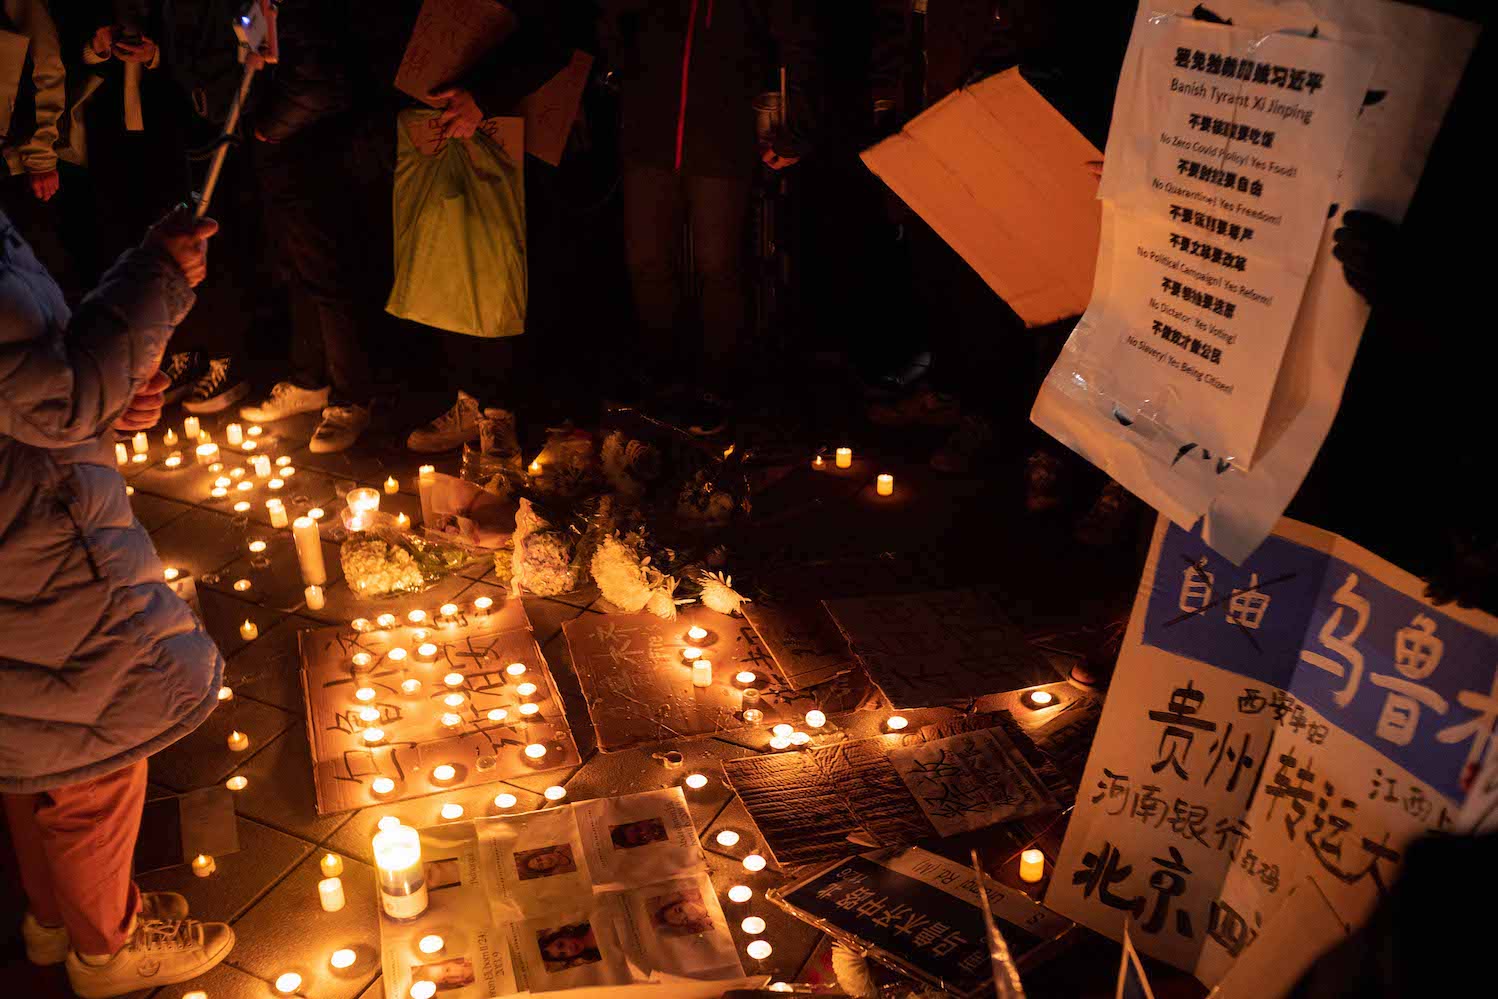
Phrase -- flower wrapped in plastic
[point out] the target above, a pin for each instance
(384, 559)
(550, 553)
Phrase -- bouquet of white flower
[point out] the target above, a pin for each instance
(384, 559)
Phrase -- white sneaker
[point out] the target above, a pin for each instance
(285, 400)
(216, 390)
(340, 427)
(452, 429)
(48, 945)
(161, 952)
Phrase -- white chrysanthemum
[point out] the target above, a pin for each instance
(718, 593)
(663, 601)
(375, 569)
(620, 575)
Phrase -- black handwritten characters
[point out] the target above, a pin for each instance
(641, 832)
(443, 873)
(679, 913)
(568, 947)
(545, 862)
(454, 973)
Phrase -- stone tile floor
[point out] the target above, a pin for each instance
(823, 535)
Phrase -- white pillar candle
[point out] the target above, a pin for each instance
(309, 551)
(190, 428)
(249, 631)
(885, 485)
(845, 457)
(403, 888)
(702, 673)
(207, 453)
(203, 865)
(238, 741)
(277, 510)
(1031, 866)
(331, 865)
(330, 894)
(314, 596)
(234, 434)
(261, 464)
(141, 442)
(392, 485)
(122, 453)
(426, 475)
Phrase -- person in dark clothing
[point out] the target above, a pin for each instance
(689, 75)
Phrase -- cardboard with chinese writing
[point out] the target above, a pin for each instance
(919, 913)
(999, 174)
(803, 640)
(1418, 56)
(895, 789)
(1303, 716)
(939, 648)
(639, 688)
(416, 739)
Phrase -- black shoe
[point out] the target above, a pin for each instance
(706, 417)
(184, 368)
(216, 390)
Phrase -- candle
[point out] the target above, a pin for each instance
(243, 506)
(331, 865)
(402, 521)
(555, 793)
(749, 697)
(430, 944)
(403, 888)
(207, 454)
(535, 751)
(288, 983)
(343, 958)
(696, 633)
(759, 949)
(535, 467)
(275, 484)
(226, 693)
(744, 678)
(315, 600)
(309, 551)
(1031, 866)
(140, 459)
(728, 838)
(515, 669)
(234, 434)
(452, 810)
(387, 822)
(283, 461)
(254, 430)
(696, 781)
(529, 709)
(454, 700)
(505, 800)
(780, 743)
(884, 485)
(423, 990)
(330, 894)
(753, 716)
(896, 722)
(426, 476)
(365, 694)
(417, 617)
(754, 862)
(818, 463)
(374, 736)
(482, 604)
(691, 653)
(799, 738)
(845, 457)
(815, 719)
(256, 547)
(443, 773)
(1037, 699)
(702, 673)
(173, 460)
(277, 511)
(448, 610)
(190, 428)
(122, 453)
(170, 574)
(203, 865)
(249, 631)
(363, 500)
(753, 925)
(497, 714)
(526, 689)
(238, 741)
(396, 655)
(141, 443)
(316, 513)
(740, 893)
(782, 731)
(426, 652)
(386, 621)
(392, 486)
(261, 464)
(453, 679)
(241, 585)
(237, 783)
(381, 786)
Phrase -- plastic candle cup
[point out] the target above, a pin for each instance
(691, 653)
(529, 709)
(1031, 866)
(482, 604)
(238, 741)
(555, 793)
(696, 781)
(392, 485)
(330, 894)
(203, 865)
(331, 865)
(452, 810)
(759, 949)
(498, 714)
(896, 722)
(382, 785)
(702, 673)
(430, 944)
(342, 958)
(515, 669)
(754, 862)
(505, 800)
(526, 689)
(740, 894)
(753, 925)
(403, 888)
(727, 838)
(845, 457)
(288, 983)
(884, 485)
(374, 736)
(696, 633)
(815, 719)
(237, 783)
(782, 731)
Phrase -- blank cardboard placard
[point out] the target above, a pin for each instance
(805, 643)
(939, 648)
(481, 749)
(1004, 178)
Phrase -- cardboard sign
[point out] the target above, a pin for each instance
(1304, 716)
(804, 642)
(551, 110)
(938, 649)
(489, 732)
(999, 174)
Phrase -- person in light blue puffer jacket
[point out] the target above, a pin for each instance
(101, 664)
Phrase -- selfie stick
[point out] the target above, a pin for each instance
(230, 123)
(256, 30)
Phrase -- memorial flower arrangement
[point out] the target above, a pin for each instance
(384, 559)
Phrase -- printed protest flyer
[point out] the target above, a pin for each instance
(1304, 717)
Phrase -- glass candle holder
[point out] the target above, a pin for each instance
(403, 888)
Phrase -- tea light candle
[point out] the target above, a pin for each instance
(696, 781)
(402, 521)
(529, 709)
(363, 500)
(526, 689)
(365, 694)
(815, 719)
(535, 467)
(140, 442)
(343, 958)
(277, 511)
(728, 838)
(203, 865)
(237, 783)
(309, 551)
(753, 716)
(453, 679)
(241, 585)
(1036, 699)
(696, 633)
(256, 547)
(555, 793)
(505, 800)
(426, 477)
(380, 786)
(451, 720)
(481, 606)
(535, 751)
(702, 673)
(780, 743)
(226, 693)
(1031, 866)
(173, 460)
(447, 612)
(515, 669)
(206, 454)
(884, 485)
(818, 463)
(315, 598)
(454, 700)
(387, 822)
(392, 485)
(330, 894)
(744, 678)
(896, 722)
(261, 464)
(426, 652)
(740, 894)
(122, 453)
(782, 731)
(331, 865)
(288, 983)
(753, 925)
(430, 944)
(403, 887)
(169, 439)
(444, 772)
(423, 990)
(242, 506)
(497, 714)
(254, 430)
(799, 738)
(283, 461)
(845, 457)
(410, 685)
(169, 573)
(759, 949)
(749, 696)
(190, 428)
(249, 631)
(754, 862)
(238, 741)
(234, 434)
(452, 810)
(374, 736)
(386, 621)
(691, 653)
(276, 484)
(140, 459)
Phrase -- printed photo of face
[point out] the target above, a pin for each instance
(545, 862)
(680, 913)
(443, 873)
(454, 973)
(568, 947)
(639, 833)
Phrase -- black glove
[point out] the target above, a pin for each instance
(1366, 244)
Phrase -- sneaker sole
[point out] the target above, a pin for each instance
(220, 402)
(208, 965)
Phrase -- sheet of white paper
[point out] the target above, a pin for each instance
(635, 839)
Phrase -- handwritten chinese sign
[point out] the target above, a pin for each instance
(1304, 715)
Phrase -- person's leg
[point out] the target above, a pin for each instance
(719, 208)
(31, 857)
(654, 210)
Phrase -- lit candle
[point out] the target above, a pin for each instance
(169, 439)
(691, 653)
(526, 689)
(402, 521)
(122, 453)
(535, 467)
(237, 783)
(728, 838)
(207, 454)
(387, 822)
(374, 736)
(884, 485)
(363, 500)
(453, 679)
(277, 511)
(740, 894)
(845, 457)
(753, 716)
(309, 551)
(535, 751)
(815, 719)
(141, 443)
(1037, 699)
(261, 464)
(505, 800)
(392, 486)
(454, 700)
(753, 925)
(403, 888)
(226, 693)
(515, 669)
(381, 786)
(780, 743)
(1031, 866)
(529, 709)
(283, 461)
(430, 944)
(314, 595)
(256, 547)
(330, 894)
(343, 958)
(275, 484)
(169, 573)
(555, 793)
(818, 462)
(190, 428)
(242, 506)
(234, 434)
(173, 460)
(331, 865)
(426, 652)
(759, 949)
(896, 722)
(254, 430)
(782, 731)
(754, 862)
(497, 714)
(482, 604)
(417, 617)
(203, 865)
(448, 610)
(696, 781)
(249, 631)
(799, 738)
(288, 983)
(140, 459)
(241, 585)
(386, 621)
(443, 773)
(423, 990)
(744, 678)
(702, 673)
(396, 655)
(238, 741)
(316, 513)
(452, 810)
(451, 720)
(696, 633)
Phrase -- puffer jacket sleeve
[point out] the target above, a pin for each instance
(60, 392)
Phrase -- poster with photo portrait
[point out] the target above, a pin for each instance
(569, 949)
(636, 839)
(534, 864)
(681, 928)
(448, 975)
